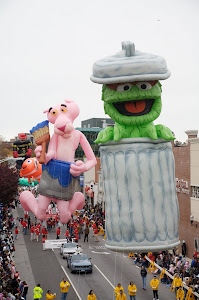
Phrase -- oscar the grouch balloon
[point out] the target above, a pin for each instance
(137, 162)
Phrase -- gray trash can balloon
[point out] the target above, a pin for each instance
(140, 195)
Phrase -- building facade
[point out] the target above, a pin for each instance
(97, 123)
(187, 187)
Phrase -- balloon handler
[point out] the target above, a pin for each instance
(59, 181)
(136, 156)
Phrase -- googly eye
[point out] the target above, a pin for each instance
(54, 112)
(144, 85)
(29, 161)
(63, 109)
(124, 87)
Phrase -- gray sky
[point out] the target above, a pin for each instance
(48, 47)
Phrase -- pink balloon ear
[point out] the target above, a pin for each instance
(68, 101)
(45, 111)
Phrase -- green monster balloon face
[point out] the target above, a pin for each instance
(133, 103)
(133, 106)
(132, 94)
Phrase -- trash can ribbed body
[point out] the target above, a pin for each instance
(142, 212)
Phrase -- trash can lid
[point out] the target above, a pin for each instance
(129, 65)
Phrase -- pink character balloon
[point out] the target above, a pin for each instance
(59, 181)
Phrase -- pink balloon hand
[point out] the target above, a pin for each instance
(78, 168)
(38, 151)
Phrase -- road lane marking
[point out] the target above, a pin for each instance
(137, 267)
(101, 252)
(105, 277)
(71, 283)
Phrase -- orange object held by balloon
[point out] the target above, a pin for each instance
(31, 168)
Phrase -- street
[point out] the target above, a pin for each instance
(109, 268)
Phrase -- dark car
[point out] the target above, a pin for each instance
(79, 263)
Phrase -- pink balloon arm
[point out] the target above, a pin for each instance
(91, 160)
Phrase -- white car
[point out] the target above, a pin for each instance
(68, 249)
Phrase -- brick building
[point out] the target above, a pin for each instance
(187, 186)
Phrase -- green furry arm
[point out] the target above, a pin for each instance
(105, 135)
(164, 132)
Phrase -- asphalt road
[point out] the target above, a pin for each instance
(109, 268)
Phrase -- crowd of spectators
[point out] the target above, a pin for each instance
(11, 286)
(183, 270)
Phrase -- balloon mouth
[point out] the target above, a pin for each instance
(24, 167)
(62, 128)
(135, 107)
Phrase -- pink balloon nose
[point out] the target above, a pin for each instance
(62, 128)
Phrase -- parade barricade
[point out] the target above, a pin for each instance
(172, 277)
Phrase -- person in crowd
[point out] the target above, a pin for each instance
(25, 290)
(49, 225)
(44, 238)
(184, 248)
(64, 285)
(86, 233)
(195, 253)
(13, 270)
(180, 294)
(194, 263)
(91, 296)
(25, 227)
(44, 231)
(121, 295)
(37, 231)
(58, 233)
(79, 230)
(154, 285)
(50, 296)
(117, 289)
(78, 250)
(177, 282)
(96, 234)
(37, 292)
(16, 233)
(132, 290)
(76, 238)
(67, 233)
(94, 226)
(29, 222)
(32, 230)
(143, 274)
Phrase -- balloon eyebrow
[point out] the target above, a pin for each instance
(63, 105)
(50, 109)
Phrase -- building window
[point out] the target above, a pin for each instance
(196, 244)
(195, 192)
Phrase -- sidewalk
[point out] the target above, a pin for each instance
(22, 261)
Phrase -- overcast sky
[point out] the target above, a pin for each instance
(48, 47)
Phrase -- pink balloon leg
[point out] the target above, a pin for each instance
(29, 203)
(77, 202)
(64, 212)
